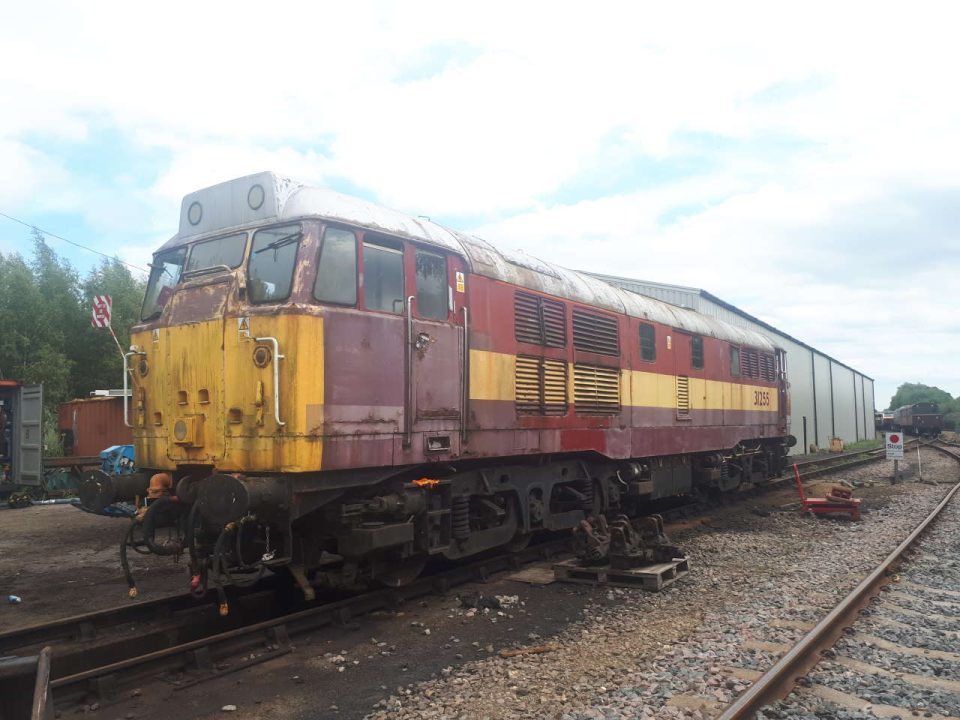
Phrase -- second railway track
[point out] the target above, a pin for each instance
(889, 649)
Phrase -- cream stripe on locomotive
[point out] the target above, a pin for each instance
(493, 377)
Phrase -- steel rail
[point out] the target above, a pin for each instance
(98, 623)
(104, 679)
(780, 679)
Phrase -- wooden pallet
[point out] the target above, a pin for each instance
(649, 577)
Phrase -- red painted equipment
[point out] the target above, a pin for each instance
(840, 501)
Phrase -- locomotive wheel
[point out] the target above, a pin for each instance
(402, 572)
(519, 542)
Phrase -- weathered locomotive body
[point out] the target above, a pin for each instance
(327, 385)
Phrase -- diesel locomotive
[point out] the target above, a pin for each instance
(923, 418)
(327, 386)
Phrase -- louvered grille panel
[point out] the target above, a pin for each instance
(539, 321)
(541, 386)
(595, 333)
(767, 368)
(554, 387)
(596, 390)
(526, 318)
(750, 364)
(554, 323)
(683, 397)
(527, 378)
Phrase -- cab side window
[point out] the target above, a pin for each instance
(696, 352)
(431, 285)
(383, 275)
(337, 273)
(648, 343)
(734, 361)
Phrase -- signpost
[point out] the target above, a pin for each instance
(102, 311)
(894, 445)
(102, 315)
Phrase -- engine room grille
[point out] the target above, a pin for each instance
(758, 366)
(767, 367)
(539, 321)
(595, 333)
(683, 397)
(541, 386)
(596, 389)
(750, 363)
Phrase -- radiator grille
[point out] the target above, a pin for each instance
(539, 321)
(758, 366)
(683, 397)
(767, 368)
(541, 386)
(595, 333)
(596, 389)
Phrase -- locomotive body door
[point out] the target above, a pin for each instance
(435, 312)
(680, 348)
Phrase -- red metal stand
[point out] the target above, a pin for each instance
(820, 506)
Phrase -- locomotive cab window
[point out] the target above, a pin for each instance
(432, 286)
(383, 275)
(734, 361)
(648, 343)
(337, 273)
(272, 260)
(164, 275)
(223, 253)
(696, 352)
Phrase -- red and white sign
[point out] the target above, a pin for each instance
(894, 446)
(102, 306)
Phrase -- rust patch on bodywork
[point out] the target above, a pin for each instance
(198, 302)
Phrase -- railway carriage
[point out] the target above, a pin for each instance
(329, 386)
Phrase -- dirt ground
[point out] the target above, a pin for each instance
(62, 561)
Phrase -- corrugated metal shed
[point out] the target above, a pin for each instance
(828, 398)
(93, 424)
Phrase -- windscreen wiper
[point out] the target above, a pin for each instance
(204, 271)
(162, 267)
(280, 242)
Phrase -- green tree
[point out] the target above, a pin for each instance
(45, 330)
(97, 351)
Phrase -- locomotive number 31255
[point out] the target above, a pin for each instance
(761, 398)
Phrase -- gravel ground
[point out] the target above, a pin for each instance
(758, 580)
(915, 614)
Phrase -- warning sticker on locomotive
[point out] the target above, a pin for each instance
(460, 282)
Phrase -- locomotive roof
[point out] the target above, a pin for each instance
(267, 197)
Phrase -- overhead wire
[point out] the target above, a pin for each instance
(75, 244)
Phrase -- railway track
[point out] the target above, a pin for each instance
(855, 661)
(93, 657)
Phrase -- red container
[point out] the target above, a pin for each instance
(94, 424)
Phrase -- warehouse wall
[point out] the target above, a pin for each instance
(844, 406)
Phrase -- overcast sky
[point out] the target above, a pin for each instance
(801, 161)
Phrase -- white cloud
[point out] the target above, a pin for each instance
(775, 159)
